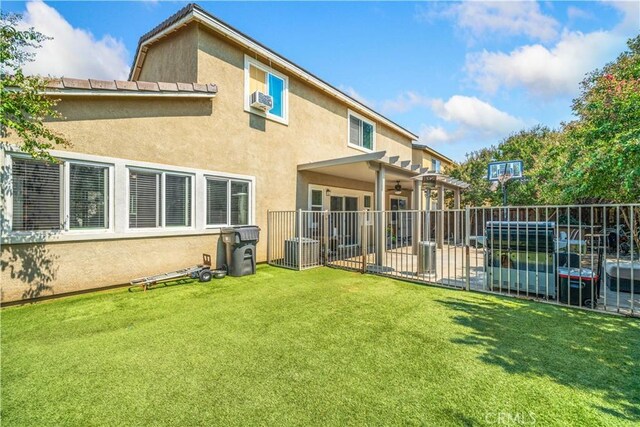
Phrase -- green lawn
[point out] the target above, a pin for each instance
(316, 347)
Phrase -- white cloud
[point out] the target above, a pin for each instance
(433, 135)
(356, 95)
(575, 13)
(473, 114)
(471, 119)
(555, 70)
(545, 72)
(72, 52)
(630, 11)
(404, 102)
(503, 17)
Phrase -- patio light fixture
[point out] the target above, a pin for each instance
(398, 188)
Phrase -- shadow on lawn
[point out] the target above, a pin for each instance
(595, 353)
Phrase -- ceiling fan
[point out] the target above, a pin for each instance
(397, 189)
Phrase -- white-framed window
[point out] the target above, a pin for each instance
(89, 197)
(228, 201)
(159, 199)
(361, 132)
(316, 199)
(63, 196)
(259, 77)
(435, 165)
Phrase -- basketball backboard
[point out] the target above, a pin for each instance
(513, 168)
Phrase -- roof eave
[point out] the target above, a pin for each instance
(118, 93)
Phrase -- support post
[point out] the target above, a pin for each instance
(380, 220)
(456, 217)
(363, 239)
(269, 237)
(299, 239)
(440, 215)
(467, 244)
(417, 216)
(325, 236)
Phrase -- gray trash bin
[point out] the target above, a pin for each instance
(426, 257)
(240, 244)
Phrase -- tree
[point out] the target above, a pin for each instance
(603, 150)
(532, 146)
(23, 107)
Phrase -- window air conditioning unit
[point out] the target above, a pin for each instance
(261, 101)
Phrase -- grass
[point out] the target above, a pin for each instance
(316, 347)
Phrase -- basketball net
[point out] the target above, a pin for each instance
(502, 179)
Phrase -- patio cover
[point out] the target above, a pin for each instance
(362, 167)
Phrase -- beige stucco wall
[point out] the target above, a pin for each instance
(173, 58)
(216, 135)
(33, 270)
(424, 158)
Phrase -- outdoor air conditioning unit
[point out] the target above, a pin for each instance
(261, 101)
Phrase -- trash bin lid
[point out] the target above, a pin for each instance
(585, 274)
(248, 232)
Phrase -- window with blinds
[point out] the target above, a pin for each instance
(88, 196)
(239, 203)
(36, 195)
(217, 210)
(361, 132)
(227, 202)
(177, 201)
(145, 189)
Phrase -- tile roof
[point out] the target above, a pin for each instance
(67, 83)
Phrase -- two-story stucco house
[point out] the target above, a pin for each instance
(159, 163)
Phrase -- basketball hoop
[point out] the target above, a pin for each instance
(501, 172)
(504, 178)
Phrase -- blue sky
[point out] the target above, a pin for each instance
(461, 75)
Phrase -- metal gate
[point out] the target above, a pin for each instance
(588, 260)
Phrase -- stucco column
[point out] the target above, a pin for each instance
(417, 216)
(380, 226)
(440, 215)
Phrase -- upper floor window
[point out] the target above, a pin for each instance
(362, 133)
(435, 165)
(45, 197)
(260, 78)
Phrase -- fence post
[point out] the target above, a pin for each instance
(363, 239)
(269, 239)
(325, 236)
(299, 239)
(467, 241)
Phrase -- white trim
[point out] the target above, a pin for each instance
(322, 191)
(214, 24)
(248, 61)
(119, 201)
(364, 120)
